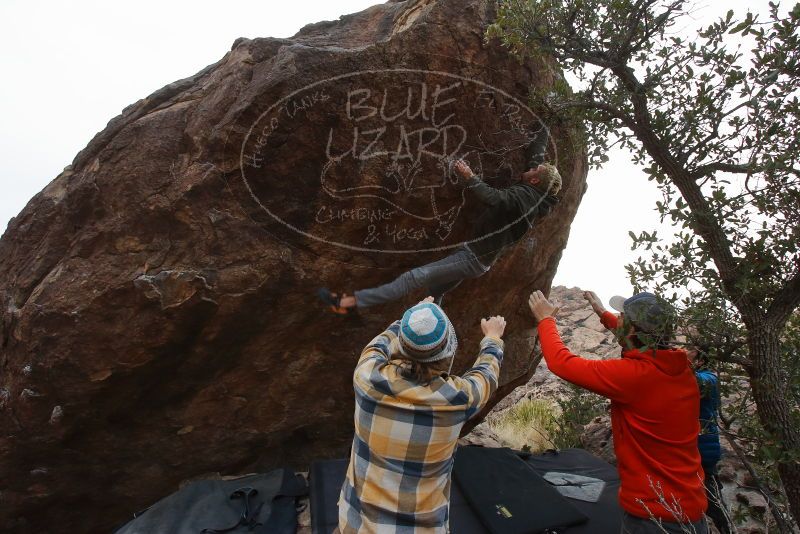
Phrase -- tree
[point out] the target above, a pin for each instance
(717, 129)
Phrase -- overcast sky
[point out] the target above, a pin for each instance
(69, 67)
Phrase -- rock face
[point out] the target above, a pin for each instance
(158, 320)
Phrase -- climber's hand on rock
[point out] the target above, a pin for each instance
(493, 326)
(541, 308)
(427, 300)
(594, 301)
(463, 169)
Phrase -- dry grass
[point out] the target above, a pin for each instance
(528, 423)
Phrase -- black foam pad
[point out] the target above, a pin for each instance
(508, 496)
(605, 515)
(545, 508)
(209, 505)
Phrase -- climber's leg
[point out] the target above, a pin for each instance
(443, 274)
(437, 292)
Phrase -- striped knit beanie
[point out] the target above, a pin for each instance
(426, 334)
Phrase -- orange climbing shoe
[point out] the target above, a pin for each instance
(333, 300)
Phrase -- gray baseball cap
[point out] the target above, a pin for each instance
(647, 312)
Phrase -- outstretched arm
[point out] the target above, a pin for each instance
(480, 382)
(608, 319)
(485, 193)
(615, 379)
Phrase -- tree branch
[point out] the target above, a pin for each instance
(589, 104)
(733, 168)
(634, 21)
(738, 360)
(705, 225)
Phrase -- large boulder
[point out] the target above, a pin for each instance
(158, 317)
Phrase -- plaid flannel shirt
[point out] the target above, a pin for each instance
(398, 479)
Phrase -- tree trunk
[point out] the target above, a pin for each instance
(773, 408)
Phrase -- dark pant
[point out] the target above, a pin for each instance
(637, 525)
(716, 505)
(439, 277)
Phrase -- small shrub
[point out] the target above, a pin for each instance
(576, 409)
(526, 425)
(538, 424)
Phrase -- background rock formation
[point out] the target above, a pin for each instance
(158, 320)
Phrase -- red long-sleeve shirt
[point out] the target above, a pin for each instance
(654, 405)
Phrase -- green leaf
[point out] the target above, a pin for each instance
(740, 27)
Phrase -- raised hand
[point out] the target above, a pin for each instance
(540, 306)
(594, 301)
(493, 326)
(463, 169)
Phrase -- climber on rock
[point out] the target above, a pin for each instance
(654, 410)
(408, 415)
(508, 214)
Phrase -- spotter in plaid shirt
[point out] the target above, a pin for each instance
(398, 479)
